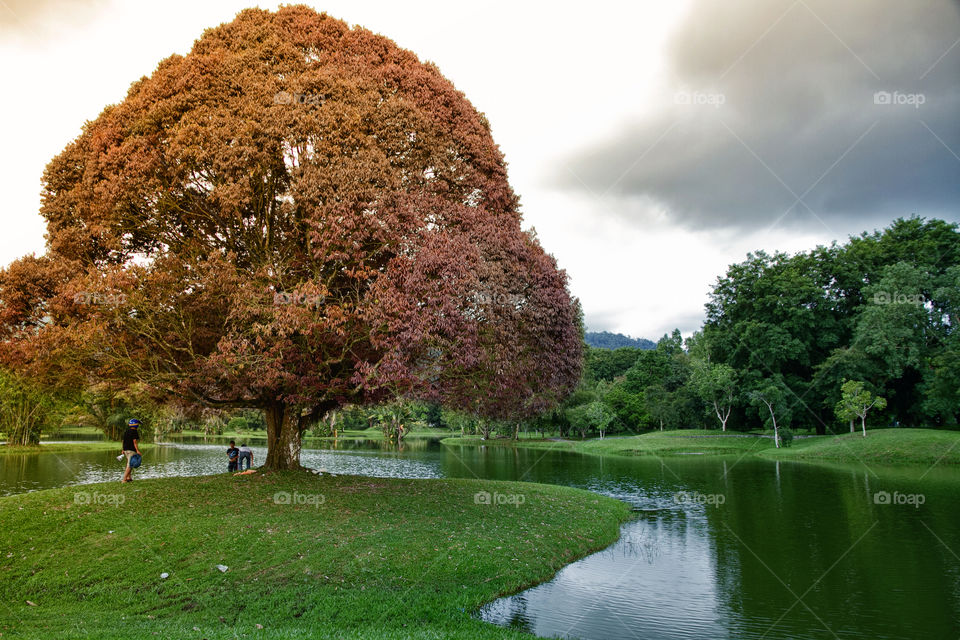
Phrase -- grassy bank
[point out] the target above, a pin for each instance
(346, 434)
(333, 557)
(920, 446)
(684, 442)
(67, 447)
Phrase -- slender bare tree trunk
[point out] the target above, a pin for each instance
(722, 417)
(773, 418)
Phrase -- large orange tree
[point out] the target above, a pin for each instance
(294, 216)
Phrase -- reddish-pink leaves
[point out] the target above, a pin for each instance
(295, 211)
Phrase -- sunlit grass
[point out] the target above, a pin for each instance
(346, 557)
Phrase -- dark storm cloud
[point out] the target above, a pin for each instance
(775, 118)
(39, 20)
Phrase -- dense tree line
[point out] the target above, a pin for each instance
(856, 334)
(785, 333)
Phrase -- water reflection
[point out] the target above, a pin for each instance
(20, 473)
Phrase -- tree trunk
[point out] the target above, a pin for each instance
(863, 423)
(516, 431)
(283, 438)
(776, 431)
(851, 425)
(722, 417)
(484, 430)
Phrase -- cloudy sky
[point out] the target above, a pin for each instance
(652, 143)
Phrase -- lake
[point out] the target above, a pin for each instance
(721, 547)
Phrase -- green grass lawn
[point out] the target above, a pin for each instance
(681, 442)
(66, 432)
(922, 446)
(347, 557)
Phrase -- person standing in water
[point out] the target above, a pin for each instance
(131, 445)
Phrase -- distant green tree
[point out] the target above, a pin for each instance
(659, 404)
(940, 389)
(880, 308)
(770, 399)
(609, 364)
(25, 409)
(238, 424)
(845, 412)
(433, 416)
(717, 386)
(857, 401)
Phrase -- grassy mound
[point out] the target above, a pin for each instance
(308, 556)
(684, 442)
(924, 446)
(659, 443)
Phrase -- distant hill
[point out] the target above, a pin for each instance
(607, 340)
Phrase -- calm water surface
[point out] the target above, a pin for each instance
(721, 548)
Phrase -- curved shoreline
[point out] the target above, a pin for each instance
(353, 555)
